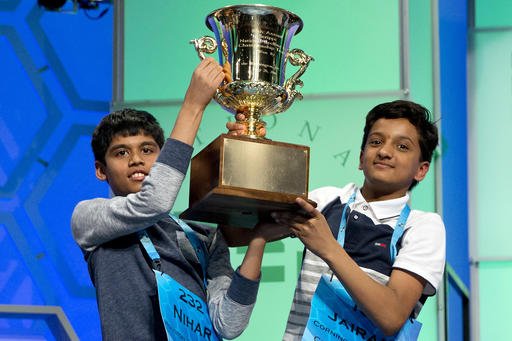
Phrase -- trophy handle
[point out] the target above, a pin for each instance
(204, 44)
(297, 57)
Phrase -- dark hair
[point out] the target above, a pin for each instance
(126, 122)
(419, 117)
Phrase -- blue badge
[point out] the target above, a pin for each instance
(185, 314)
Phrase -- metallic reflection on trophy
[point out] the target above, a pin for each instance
(255, 41)
(236, 180)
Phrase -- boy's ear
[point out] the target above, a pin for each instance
(360, 167)
(100, 171)
(422, 171)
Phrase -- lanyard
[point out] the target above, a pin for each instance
(198, 246)
(397, 232)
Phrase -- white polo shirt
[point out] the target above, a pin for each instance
(422, 250)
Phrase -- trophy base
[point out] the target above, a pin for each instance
(239, 207)
(238, 181)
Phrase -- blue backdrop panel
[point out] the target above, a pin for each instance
(453, 52)
(55, 86)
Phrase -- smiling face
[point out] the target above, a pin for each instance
(127, 162)
(390, 159)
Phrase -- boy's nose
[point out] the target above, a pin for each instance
(136, 159)
(385, 151)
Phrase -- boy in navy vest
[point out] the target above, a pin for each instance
(364, 247)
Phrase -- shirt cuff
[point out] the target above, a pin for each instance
(243, 290)
(176, 154)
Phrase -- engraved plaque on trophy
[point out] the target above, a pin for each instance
(240, 180)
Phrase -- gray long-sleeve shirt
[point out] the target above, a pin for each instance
(106, 230)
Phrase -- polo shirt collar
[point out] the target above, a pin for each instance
(383, 209)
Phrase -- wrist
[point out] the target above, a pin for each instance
(192, 107)
(258, 240)
(332, 252)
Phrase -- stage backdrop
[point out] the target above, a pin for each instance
(490, 109)
(362, 58)
(56, 85)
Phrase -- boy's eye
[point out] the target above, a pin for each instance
(374, 142)
(121, 153)
(403, 147)
(147, 150)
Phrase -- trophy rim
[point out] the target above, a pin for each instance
(294, 16)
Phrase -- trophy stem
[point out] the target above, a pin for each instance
(253, 123)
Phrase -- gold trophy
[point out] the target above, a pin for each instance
(240, 180)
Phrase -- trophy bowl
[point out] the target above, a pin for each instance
(254, 41)
(239, 180)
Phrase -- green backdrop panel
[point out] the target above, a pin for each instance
(493, 13)
(420, 52)
(494, 298)
(492, 110)
(158, 56)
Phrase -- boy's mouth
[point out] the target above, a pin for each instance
(382, 165)
(137, 176)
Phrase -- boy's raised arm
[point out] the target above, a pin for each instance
(123, 215)
(205, 81)
(97, 221)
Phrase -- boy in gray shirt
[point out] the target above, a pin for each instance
(130, 242)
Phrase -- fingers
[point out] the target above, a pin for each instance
(290, 219)
(306, 206)
(212, 72)
(272, 231)
(300, 225)
(287, 226)
(238, 128)
(296, 232)
(235, 128)
(215, 75)
(241, 113)
(239, 116)
(204, 83)
(207, 62)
